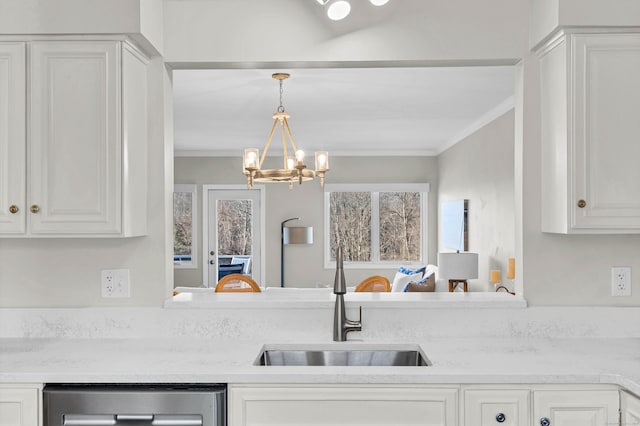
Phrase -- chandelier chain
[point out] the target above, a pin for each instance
(281, 107)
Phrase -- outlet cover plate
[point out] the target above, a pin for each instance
(620, 281)
(115, 283)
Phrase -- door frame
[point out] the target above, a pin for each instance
(205, 226)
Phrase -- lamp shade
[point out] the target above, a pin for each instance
(297, 234)
(458, 266)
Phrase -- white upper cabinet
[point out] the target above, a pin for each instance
(13, 152)
(87, 142)
(590, 97)
(629, 409)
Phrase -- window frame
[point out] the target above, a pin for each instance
(193, 189)
(422, 188)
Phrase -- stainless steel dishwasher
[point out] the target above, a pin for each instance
(134, 405)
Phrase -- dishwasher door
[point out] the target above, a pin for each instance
(134, 405)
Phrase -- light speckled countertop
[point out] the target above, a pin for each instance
(190, 360)
(219, 342)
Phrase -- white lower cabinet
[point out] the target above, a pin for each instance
(495, 407)
(576, 407)
(342, 405)
(629, 409)
(20, 405)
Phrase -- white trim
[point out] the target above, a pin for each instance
(375, 263)
(333, 153)
(193, 189)
(377, 187)
(500, 109)
(205, 224)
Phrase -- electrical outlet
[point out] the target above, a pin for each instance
(620, 281)
(115, 283)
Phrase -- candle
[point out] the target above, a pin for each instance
(495, 276)
(511, 270)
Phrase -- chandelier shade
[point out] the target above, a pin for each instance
(293, 169)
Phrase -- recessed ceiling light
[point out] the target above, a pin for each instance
(379, 2)
(338, 10)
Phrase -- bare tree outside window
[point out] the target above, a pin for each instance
(376, 226)
(350, 219)
(234, 227)
(182, 223)
(399, 226)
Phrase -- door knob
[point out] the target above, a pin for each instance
(35, 208)
(500, 417)
(212, 262)
(545, 421)
(13, 209)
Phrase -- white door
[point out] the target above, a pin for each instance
(75, 152)
(233, 234)
(576, 408)
(13, 142)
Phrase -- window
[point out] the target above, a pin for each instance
(377, 225)
(184, 226)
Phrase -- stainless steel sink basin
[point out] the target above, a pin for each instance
(338, 355)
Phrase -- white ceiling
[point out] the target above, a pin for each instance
(379, 111)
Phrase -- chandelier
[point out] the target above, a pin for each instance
(294, 167)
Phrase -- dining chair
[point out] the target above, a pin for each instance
(237, 283)
(374, 283)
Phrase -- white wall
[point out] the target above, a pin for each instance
(564, 269)
(66, 272)
(480, 169)
(305, 264)
(296, 30)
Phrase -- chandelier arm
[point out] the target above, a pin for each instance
(266, 147)
(293, 144)
(284, 145)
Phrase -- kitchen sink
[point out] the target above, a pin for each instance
(339, 355)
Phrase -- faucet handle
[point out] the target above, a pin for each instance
(359, 322)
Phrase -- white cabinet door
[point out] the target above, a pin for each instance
(13, 142)
(590, 101)
(342, 405)
(496, 407)
(19, 406)
(629, 409)
(575, 408)
(75, 150)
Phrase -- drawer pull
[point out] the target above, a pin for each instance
(13, 209)
(500, 417)
(545, 421)
(35, 208)
(582, 204)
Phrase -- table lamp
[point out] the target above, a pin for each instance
(457, 268)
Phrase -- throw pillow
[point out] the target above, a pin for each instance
(400, 280)
(426, 284)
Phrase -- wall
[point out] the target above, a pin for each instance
(564, 269)
(480, 169)
(57, 272)
(305, 264)
(198, 31)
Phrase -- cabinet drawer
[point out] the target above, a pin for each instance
(494, 407)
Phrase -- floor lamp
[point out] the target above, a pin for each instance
(292, 235)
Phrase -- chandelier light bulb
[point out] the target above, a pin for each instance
(338, 10)
(300, 156)
(290, 164)
(378, 2)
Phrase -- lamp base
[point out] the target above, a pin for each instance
(454, 283)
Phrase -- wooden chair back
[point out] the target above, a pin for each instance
(237, 283)
(374, 283)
